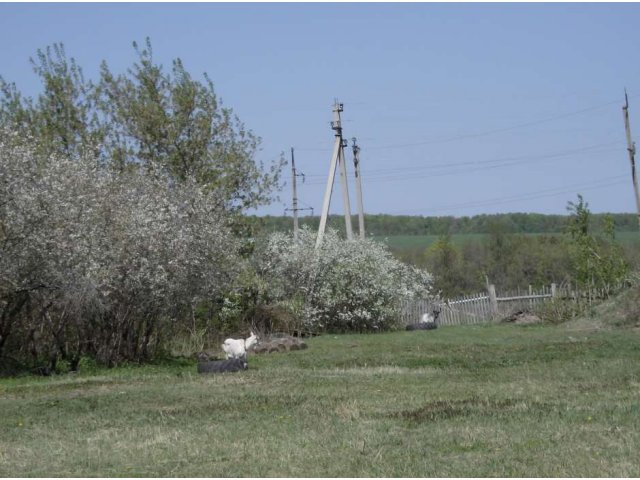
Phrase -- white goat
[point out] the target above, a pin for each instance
(427, 318)
(238, 348)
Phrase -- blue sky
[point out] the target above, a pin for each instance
(459, 109)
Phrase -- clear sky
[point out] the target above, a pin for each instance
(459, 109)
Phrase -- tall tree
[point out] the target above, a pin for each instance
(597, 261)
(146, 118)
(171, 121)
(63, 118)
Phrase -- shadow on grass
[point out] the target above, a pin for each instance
(445, 409)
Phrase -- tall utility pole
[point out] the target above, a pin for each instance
(336, 158)
(356, 164)
(295, 208)
(631, 147)
(295, 196)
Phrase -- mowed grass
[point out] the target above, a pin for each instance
(463, 401)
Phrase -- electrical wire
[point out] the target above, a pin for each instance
(549, 192)
(498, 130)
(459, 168)
(481, 134)
(504, 160)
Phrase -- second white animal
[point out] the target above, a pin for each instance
(234, 348)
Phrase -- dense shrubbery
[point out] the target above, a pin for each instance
(98, 263)
(342, 286)
(119, 204)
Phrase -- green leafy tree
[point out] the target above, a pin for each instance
(501, 252)
(63, 118)
(163, 122)
(597, 261)
(172, 122)
(443, 259)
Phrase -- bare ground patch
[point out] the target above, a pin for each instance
(445, 409)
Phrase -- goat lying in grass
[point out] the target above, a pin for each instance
(428, 321)
(238, 348)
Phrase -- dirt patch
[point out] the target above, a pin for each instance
(279, 343)
(444, 409)
(522, 318)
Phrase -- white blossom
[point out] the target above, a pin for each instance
(344, 285)
(102, 258)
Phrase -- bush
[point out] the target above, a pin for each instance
(100, 263)
(624, 309)
(559, 310)
(343, 285)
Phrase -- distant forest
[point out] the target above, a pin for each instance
(386, 225)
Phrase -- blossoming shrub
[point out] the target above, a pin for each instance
(343, 285)
(99, 263)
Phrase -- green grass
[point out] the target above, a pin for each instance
(457, 401)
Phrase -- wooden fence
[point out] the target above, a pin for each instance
(487, 306)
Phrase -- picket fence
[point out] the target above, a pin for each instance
(488, 306)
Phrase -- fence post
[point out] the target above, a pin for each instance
(553, 290)
(493, 300)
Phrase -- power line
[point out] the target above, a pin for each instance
(455, 167)
(487, 132)
(488, 161)
(498, 130)
(460, 171)
(549, 192)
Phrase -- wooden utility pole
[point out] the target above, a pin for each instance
(631, 147)
(336, 158)
(356, 164)
(295, 196)
(345, 191)
(295, 209)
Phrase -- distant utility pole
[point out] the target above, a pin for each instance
(295, 208)
(631, 147)
(356, 164)
(336, 158)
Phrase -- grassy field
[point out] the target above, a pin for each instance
(402, 242)
(499, 400)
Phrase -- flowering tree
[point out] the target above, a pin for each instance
(147, 118)
(101, 263)
(343, 285)
(118, 202)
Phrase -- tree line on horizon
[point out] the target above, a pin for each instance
(378, 225)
